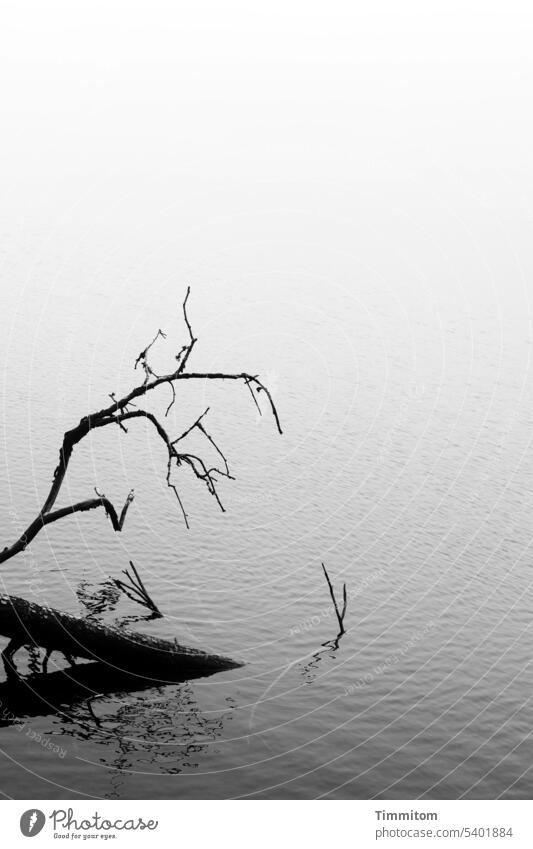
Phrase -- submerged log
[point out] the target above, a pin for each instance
(27, 623)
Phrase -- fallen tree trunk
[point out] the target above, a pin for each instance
(27, 623)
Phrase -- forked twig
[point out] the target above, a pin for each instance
(340, 616)
(135, 590)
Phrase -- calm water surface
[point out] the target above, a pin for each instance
(401, 366)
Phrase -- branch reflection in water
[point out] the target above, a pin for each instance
(159, 728)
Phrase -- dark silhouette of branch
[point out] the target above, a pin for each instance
(172, 400)
(27, 623)
(120, 411)
(80, 507)
(187, 349)
(143, 357)
(135, 590)
(340, 616)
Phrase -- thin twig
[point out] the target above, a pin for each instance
(135, 589)
(340, 616)
(189, 429)
(172, 399)
(188, 348)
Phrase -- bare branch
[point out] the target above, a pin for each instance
(127, 503)
(80, 507)
(340, 616)
(187, 322)
(254, 399)
(217, 449)
(119, 412)
(184, 356)
(175, 490)
(345, 602)
(135, 590)
(143, 357)
(204, 475)
(249, 379)
(189, 429)
(172, 399)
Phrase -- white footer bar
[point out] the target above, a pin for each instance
(272, 824)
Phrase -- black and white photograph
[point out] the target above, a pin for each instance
(266, 393)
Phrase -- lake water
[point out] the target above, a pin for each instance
(404, 388)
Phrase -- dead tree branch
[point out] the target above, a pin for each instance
(26, 623)
(135, 589)
(340, 615)
(119, 412)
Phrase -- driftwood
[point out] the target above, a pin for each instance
(26, 623)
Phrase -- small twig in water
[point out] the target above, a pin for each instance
(135, 589)
(340, 616)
